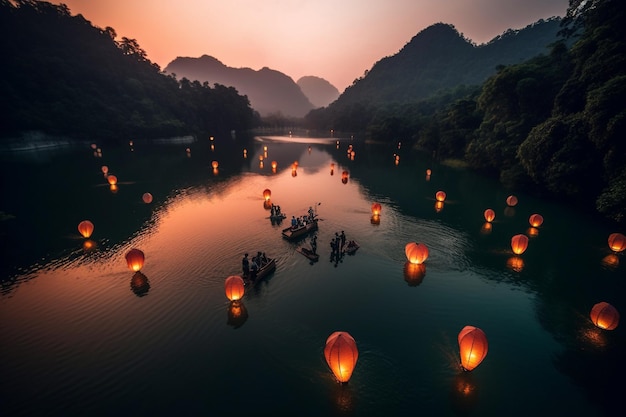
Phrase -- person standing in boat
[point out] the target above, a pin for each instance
(294, 222)
(314, 245)
(343, 239)
(245, 264)
(311, 213)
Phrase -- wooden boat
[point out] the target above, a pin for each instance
(293, 234)
(314, 257)
(278, 217)
(264, 271)
(351, 247)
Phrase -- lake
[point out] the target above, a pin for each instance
(85, 335)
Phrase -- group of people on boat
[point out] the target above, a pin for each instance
(302, 221)
(275, 211)
(251, 268)
(337, 243)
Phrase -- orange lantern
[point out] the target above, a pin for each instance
(85, 228)
(376, 208)
(535, 220)
(605, 316)
(341, 355)
(112, 179)
(511, 201)
(416, 253)
(519, 243)
(234, 287)
(105, 169)
(215, 164)
(147, 198)
(440, 196)
(489, 215)
(428, 172)
(274, 164)
(473, 347)
(617, 242)
(134, 259)
(267, 193)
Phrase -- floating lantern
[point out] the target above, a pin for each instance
(215, 164)
(617, 242)
(416, 253)
(135, 259)
(376, 208)
(519, 243)
(473, 347)
(535, 220)
(341, 355)
(267, 193)
(147, 198)
(94, 146)
(440, 196)
(511, 201)
(112, 179)
(105, 169)
(85, 228)
(234, 287)
(605, 316)
(428, 172)
(344, 177)
(188, 150)
(274, 165)
(489, 215)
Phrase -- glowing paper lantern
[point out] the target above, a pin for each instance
(215, 164)
(519, 243)
(234, 287)
(617, 242)
(376, 208)
(341, 355)
(511, 201)
(274, 164)
(134, 259)
(416, 253)
(147, 198)
(85, 228)
(535, 220)
(605, 316)
(428, 172)
(105, 169)
(440, 196)
(489, 215)
(112, 179)
(267, 193)
(473, 347)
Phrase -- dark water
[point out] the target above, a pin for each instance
(82, 335)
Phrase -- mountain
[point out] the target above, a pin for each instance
(439, 58)
(269, 91)
(319, 91)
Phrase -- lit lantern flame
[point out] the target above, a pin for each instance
(215, 164)
(234, 287)
(135, 259)
(617, 242)
(440, 196)
(85, 228)
(147, 198)
(605, 316)
(341, 355)
(105, 169)
(112, 179)
(535, 220)
(416, 253)
(274, 165)
(376, 208)
(473, 347)
(267, 193)
(490, 215)
(519, 243)
(511, 201)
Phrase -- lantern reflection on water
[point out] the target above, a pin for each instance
(519, 243)
(85, 228)
(341, 355)
(135, 259)
(237, 314)
(473, 347)
(617, 242)
(139, 284)
(234, 287)
(414, 273)
(605, 316)
(515, 263)
(416, 253)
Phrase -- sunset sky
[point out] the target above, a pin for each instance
(334, 39)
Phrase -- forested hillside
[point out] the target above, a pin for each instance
(62, 76)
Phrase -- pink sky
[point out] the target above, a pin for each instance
(334, 39)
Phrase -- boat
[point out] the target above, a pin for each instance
(314, 257)
(277, 218)
(264, 271)
(351, 247)
(290, 233)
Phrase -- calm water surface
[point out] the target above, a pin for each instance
(80, 337)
